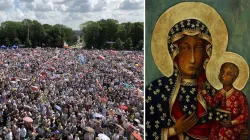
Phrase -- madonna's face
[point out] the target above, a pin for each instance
(192, 52)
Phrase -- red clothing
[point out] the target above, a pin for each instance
(235, 102)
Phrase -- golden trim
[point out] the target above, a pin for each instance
(189, 82)
(164, 133)
(205, 37)
(213, 70)
(175, 14)
(174, 95)
(191, 32)
(203, 103)
(207, 50)
(176, 52)
(176, 37)
(229, 93)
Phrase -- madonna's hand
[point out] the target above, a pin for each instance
(185, 123)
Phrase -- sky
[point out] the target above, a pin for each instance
(71, 13)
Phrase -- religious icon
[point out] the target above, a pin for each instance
(232, 113)
(199, 96)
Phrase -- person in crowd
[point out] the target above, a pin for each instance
(63, 91)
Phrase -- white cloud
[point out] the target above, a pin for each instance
(27, 0)
(6, 4)
(131, 4)
(41, 15)
(48, 6)
(71, 13)
(99, 5)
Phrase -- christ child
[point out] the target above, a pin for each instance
(230, 99)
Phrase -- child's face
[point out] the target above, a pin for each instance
(226, 75)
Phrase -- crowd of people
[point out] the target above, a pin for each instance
(74, 94)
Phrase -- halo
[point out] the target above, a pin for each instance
(177, 13)
(213, 70)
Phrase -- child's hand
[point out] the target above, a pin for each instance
(226, 123)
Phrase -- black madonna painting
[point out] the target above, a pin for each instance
(201, 93)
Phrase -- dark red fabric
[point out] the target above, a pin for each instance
(201, 130)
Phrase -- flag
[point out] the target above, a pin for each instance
(101, 57)
(98, 84)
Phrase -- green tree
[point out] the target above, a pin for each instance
(108, 32)
(121, 33)
(9, 30)
(68, 35)
(91, 31)
(140, 45)
(7, 42)
(28, 43)
(26, 32)
(47, 40)
(56, 36)
(128, 44)
(97, 34)
(137, 32)
(37, 33)
(119, 44)
(16, 41)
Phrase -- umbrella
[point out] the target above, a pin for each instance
(52, 68)
(14, 46)
(97, 115)
(58, 107)
(123, 107)
(119, 126)
(55, 58)
(103, 137)
(101, 57)
(104, 99)
(130, 125)
(57, 132)
(27, 119)
(98, 84)
(137, 136)
(89, 129)
(3, 47)
(42, 77)
(13, 82)
(27, 65)
(136, 120)
(34, 87)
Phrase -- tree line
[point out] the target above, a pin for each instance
(33, 33)
(102, 34)
(110, 34)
